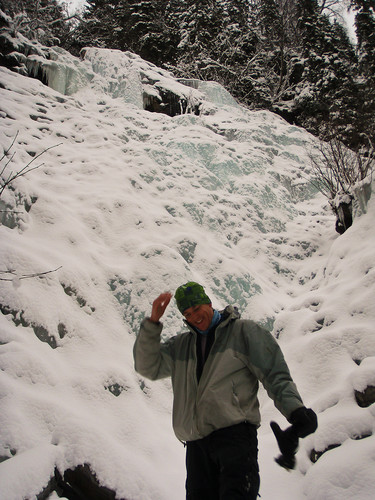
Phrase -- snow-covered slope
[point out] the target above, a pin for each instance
(127, 204)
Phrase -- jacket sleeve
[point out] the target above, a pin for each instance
(268, 364)
(152, 358)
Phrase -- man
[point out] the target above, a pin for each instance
(215, 368)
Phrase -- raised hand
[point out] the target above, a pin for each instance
(159, 306)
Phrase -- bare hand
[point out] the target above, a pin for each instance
(159, 306)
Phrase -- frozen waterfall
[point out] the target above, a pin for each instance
(127, 203)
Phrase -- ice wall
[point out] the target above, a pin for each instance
(241, 174)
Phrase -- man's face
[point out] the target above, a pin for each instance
(199, 316)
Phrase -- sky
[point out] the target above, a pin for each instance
(73, 5)
(125, 204)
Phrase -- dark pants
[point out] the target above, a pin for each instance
(224, 465)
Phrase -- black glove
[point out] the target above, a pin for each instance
(288, 444)
(304, 421)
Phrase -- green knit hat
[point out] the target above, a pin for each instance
(189, 295)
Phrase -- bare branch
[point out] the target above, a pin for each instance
(337, 168)
(26, 276)
(4, 183)
(10, 147)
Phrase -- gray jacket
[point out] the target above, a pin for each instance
(242, 354)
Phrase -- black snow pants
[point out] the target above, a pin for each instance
(224, 465)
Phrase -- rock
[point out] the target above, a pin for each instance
(315, 455)
(344, 217)
(365, 398)
(169, 103)
(79, 483)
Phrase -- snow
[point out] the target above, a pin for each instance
(126, 204)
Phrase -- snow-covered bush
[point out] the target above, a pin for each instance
(342, 175)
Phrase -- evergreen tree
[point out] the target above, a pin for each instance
(43, 20)
(138, 26)
(274, 64)
(215, 42)
(365, 31)
(100, 25)
(145, 31)
(200, 24)
(325, 100)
